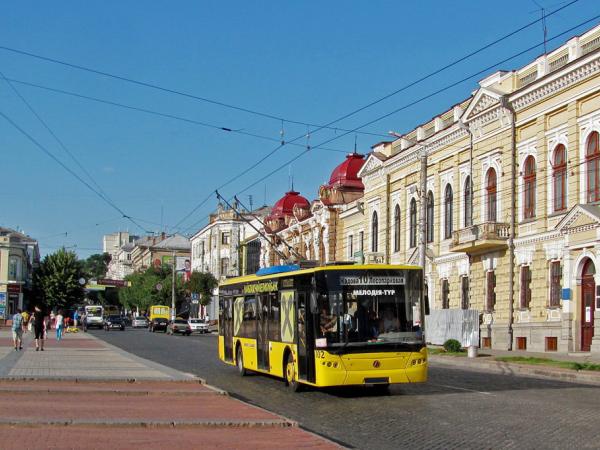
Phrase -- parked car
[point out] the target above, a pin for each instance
(198, 325)
(111, 322)
(139, 322)
(179, 326)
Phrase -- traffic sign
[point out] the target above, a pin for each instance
(158, 286)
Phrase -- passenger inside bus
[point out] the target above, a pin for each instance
(328, 322)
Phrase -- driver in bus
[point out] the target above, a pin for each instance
(389, 322)
(328, 322)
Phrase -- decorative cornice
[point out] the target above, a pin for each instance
(554, 85)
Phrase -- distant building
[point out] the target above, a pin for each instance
(229, 245)
(19, 256)
(156, 251)
(120, 265)
(119, 246)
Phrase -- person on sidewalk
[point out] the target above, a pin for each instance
(75, 318)
(39, 327)
(59, 325)
(17, 330)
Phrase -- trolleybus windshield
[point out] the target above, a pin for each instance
(374, 307)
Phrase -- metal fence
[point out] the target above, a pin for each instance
(459, 324)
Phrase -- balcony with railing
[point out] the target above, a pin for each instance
(486, 236)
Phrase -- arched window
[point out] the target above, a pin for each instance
(448, 212)
(374, 233)
(429, 219)
(529, 188)
(490, 190)
(592, 158)
(397, 228)
(559, 175)
(468, 203)
(413, 223)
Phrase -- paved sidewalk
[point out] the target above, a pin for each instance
(84, 393)
(486, 362)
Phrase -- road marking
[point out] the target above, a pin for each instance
(463, 389)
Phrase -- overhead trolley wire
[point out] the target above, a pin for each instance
(72, 172)
(158, 113)
(171, 90)
(403, 88)
(418, 101)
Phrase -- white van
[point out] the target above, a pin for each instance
(93, 317)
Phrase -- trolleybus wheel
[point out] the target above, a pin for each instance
(240, 362)
(290, 374)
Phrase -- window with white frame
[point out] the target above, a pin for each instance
(448, 214)
(397, 228)
(559, 178)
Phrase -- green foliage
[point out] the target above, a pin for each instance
(96, 265)
(452, 345)
(549, 362)
(202, 283)
(142, 292)
(57, 279)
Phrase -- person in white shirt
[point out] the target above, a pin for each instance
(59, 325)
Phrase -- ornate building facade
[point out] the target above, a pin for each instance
(303, 230)
(512, 201)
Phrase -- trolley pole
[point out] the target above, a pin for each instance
(173, 288)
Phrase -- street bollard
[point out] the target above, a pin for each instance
(472, 351)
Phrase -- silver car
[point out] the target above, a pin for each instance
(139, 322)
(198, 325)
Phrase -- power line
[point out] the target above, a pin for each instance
(171, 90)
(56, 138)
(419, 100)
(68, 169)
(407, 86)
(159, 114)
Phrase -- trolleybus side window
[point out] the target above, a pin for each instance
(274, 328)
(249, 318)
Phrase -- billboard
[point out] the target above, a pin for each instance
(183, 264)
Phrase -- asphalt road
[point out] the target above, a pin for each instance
(454, 409)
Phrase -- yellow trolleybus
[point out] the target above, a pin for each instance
(326, 326)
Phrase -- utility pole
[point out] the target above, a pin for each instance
(173, 288)
(422, 229)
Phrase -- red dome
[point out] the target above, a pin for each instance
(346, 174)
(285, 205)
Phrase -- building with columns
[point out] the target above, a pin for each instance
(512, 203)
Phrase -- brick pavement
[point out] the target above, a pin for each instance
(84, 393)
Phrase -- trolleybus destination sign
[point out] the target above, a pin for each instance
(370, 280)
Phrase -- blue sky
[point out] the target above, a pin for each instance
(306, 61)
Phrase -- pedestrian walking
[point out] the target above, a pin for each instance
(75, 318)
(59, 325)
(52, 319)
(17, 330)
(39, 327)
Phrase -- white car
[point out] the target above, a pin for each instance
(198, 325)
(139, 322)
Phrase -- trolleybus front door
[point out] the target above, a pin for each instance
(228, 328)
(305, 336)
(262, 337)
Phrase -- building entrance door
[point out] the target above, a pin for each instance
(588, 294)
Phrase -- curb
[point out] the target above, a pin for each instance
(515, 369)
(157, 423)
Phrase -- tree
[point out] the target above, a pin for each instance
(57, 279)
(96, 265)
(142, 292)
(203, 283)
